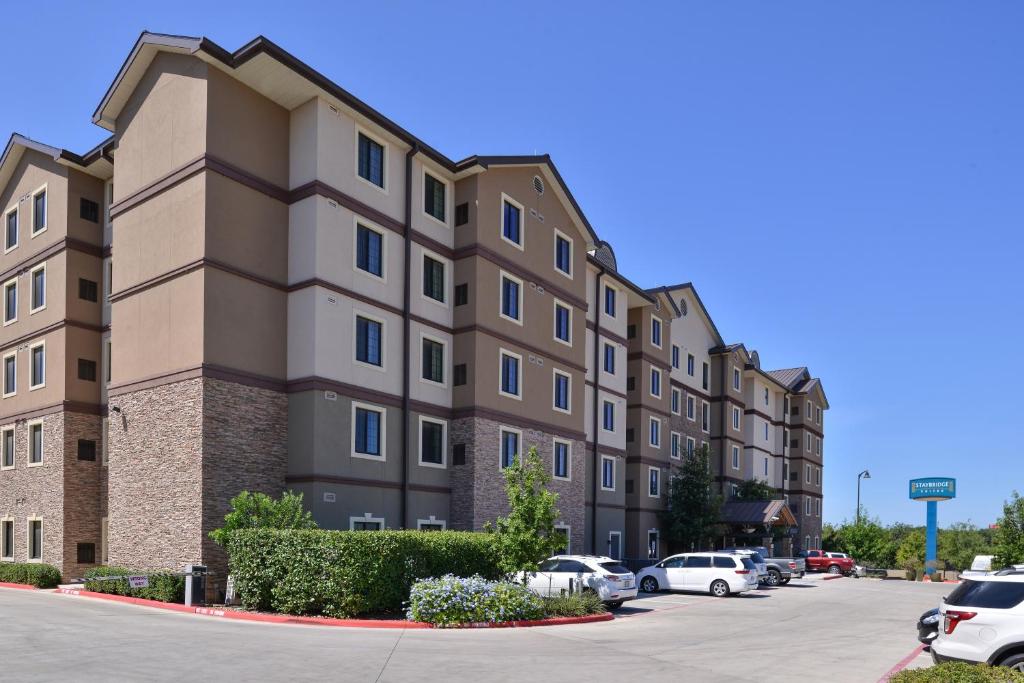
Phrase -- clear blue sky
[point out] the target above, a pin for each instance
(844, 185)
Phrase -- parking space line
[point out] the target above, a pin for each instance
(901, 665)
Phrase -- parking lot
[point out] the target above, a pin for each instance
(844, 630)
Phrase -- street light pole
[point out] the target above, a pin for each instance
(866, 475)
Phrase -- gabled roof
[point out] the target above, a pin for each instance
(688, 286)
(799, 381)
(18, 144)
(757, 513)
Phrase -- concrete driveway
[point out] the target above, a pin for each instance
(852, 630)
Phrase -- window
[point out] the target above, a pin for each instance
(735, 457)
(11, 234)
(433, 279)
(368, 434)
(691, 408)
(10, 374)
(87, 290)
(674, 445)
(766, 395)
(432, 442)
(807, 444)
(987, 594)
(38, 355)
(560, 459)
(509, 447)
(565, 531)
(511, 298)
(817, 476)
(653, 482)
(511, 222)
(86, 553)
(807, 542)
(433, 360)
(38, 288)
(691, 445)
(609, 417)
(607, 473)
(609, 301)
(110, 358)
(609, 358)
(615, 545)
(655, 432)
(369, 341)
(365, 523)
(675, 401)
(371, 160)
(87, 370)
(35, 443)
(563, 323)
(87, 450)
(369, 250)
(705, 375)
(675, 356)
(7, 540)
(561, 391)
(765, 431)
(510, 374)
(766, 467)
(735, 418)
(88, 210)
(563, 254)
(817, 415)
(807, 474)
(810, 408)
(35, 539)
(705, 417)
(10, 301)
(807, 507)
(656, 382)
(462, 294)
(434, 197)
(459, 375)
(7, 446)
(462, 214)
(432, 524)
(736, 379)
(817, 445)
(690, 362)
(656, 332)
(39, 211)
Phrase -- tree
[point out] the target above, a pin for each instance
(260, 511)
(959, 543)
(692, 519)
(867, 541)
(527, 534)
(1009, 537)
(910, 553)
(755, 489)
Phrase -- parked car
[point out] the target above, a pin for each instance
(778, 570)
(928, 626)
(559, 574)
(983, 621)
(717, 573)
(819, 561)
(981, 565)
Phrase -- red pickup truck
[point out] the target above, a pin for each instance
(833, 563)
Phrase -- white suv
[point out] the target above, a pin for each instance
(607, 577)
(983, 621)
(717, 573)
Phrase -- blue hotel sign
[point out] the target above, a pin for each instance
(933, 488)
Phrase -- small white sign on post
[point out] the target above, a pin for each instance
(229, 591)
(138, 581)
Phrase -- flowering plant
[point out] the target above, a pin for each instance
(451, 600)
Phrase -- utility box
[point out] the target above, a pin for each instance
(195, 584)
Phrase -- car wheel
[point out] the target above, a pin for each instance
(834, 570)
(616, 604)
(774, 577)
(719, 588)
(783, 582)
(1014, 662)
(649, 584)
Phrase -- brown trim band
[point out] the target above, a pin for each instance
(483, 329)
(317, 187)
(638, 508)
(354, 481)
(610, 506)
(644, 356)
(516, 421)
(644, 406)
(810, 429)
(67, 243)
(52, 327)
(64, 406)
(643, 459)
(689, 390)
(514, 268)
(607, 335)
(606, 450)
(606, 390)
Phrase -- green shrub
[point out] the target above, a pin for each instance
(260, 511)
(574, 604)
(958, 672)
(348, 573)
(452, 600)
(163, 586)
(30, 574)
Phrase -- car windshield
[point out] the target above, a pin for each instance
(547, 566)
(748, 564)
(756, 557)
(990, 594)
(614, 568)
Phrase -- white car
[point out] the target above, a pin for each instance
(983, 621)
(981, 565)
(717, 573)
(564, 573)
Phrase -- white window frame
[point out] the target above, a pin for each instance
(614, 473)
(651, 421)
(691, 408)
(807, 441)
(361, 313)
(675, 445)
(28, 539)
(736, 460)
(612, 404)
(3, 521)
(737, 379)
(420, 523)
(444, 442)
(358, 220)
(807, 474)
(568, 463)
(737, 419)
(615, 361)
(554, 243)
(655, 372)
(14, 455)
(522, 222)
(661, 332)
(810, 409)
(691, 368)
(817, 476)
(383, 432)
(444, 361)
(17, 230)
(502, 430)
(31, 364)
(17, 300)
(555, 304)
(448, 197)
(604, 299)
(31, 288)
(817, 415)
(675, 357)
(562, 526)
(677, 399)
(3, 373)
(807, 507)
(618, 544)
(446, 285)
(765, 430)
(555, 372)
(502, 351)
(817, 445)
(502, 275)
(33, 233)
(657, 481)
(385, 159)
(807, 541)
(705, 406)
(691, 445)
(817, 507)
(366, 517)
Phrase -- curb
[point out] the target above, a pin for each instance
(832, 577)
(901, 665)
(239, 615)
(20, 586)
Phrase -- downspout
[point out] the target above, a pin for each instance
(406, 326)
(721, 421)
(597, 402)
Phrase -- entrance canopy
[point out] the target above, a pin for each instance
(758, 513)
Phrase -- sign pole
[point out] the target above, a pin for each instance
(931, 538)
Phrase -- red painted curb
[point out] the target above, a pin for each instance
(321, 621)
(901, 665)
(22, 586)
(832, 577)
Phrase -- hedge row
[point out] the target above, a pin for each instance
(958, 672)
(348, 573)
(30, 573)
(163, 586)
